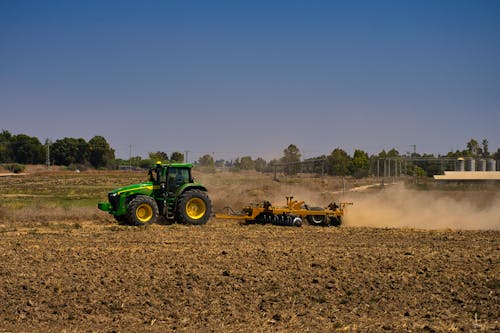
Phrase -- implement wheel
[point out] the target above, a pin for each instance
(193, 207)
(142, 210)
(336, 221)
(316, 219)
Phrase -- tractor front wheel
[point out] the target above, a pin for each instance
(122, 219)
(193, 207)
(142, 210)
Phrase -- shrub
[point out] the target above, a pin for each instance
(14, 167)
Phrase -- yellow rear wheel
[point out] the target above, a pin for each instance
(193, 207)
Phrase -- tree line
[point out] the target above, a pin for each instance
(97, 153)
(25, 149)
(153, 157)
(360, 164)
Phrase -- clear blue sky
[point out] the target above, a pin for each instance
(238, 78)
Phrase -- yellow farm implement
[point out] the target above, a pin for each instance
(290, 215)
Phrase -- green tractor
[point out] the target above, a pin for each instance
(171, 192)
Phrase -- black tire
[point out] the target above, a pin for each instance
(142, 210)
(316, 219)
(193, 207)
(336, 221)
(122, 220)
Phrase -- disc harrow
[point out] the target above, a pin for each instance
(292, 214)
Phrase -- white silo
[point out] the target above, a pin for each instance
(492, 165)
(482, 165)
(460, 166)
(470, 164)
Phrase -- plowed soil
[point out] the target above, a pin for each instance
(85, 275)
(229, 277)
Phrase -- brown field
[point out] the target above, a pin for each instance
(405, 260)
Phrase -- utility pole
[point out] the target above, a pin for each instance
(48, 143)
(129, 157)
(186, 156)
(414, 150)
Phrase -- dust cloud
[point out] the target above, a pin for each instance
(395, 206)
(399, 207)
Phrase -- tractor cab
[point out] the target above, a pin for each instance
(170, 177)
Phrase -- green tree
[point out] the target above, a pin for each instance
(496, 156)
(419, 172)
(159, 156)
(360, 166)
(455, 154)
(260, 164)
(246, 163)
(206, 161)
(101, 155)
(83, 151)
(177, 157)
(485, 151)
(27, 150)
(291, 157)
(430, 165)
(5, 150)
(136, 161)
(338, 163)
(473, 149)
(146, 163)
(69, 151)
(393, 153)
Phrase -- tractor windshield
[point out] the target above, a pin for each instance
(177, 177)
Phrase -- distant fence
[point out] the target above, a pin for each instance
(394, 166)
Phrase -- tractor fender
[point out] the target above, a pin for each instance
(188, 187)
(128, 193)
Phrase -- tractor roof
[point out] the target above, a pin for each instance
(176, 165)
